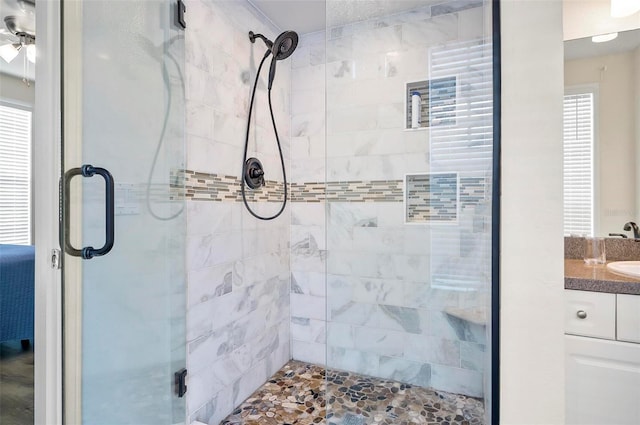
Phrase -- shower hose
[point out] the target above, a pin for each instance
(246, 147)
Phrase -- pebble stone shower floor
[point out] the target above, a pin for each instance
(299, 394)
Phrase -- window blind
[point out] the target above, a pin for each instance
(461, 140)
(15, 175)
(578, 163)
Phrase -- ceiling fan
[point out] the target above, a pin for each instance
(19, 33)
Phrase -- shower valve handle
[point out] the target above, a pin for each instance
(256, 172)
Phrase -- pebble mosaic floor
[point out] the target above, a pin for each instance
(299, 394)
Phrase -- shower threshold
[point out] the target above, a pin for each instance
(304, 394)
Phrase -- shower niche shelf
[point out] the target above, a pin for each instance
(438, 99)
(431, 198)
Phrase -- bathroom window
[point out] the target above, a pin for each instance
(15, 175)
(578, 162)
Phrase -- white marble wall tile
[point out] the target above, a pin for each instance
(309, 352)
(308, 330)
(353, 360)
(307, 213)
(302, 57)
(431, 32)
(377, 291)
(380, 341)
(340, 335)
(338, 49)
(199, 120)
(306, 257)
(308, 306)
(377, 239)
(432, 350)
(391, 115)
(315, 235)
(367, 143)
(353, 313)
(405, 371)
(422, 295)
(352, 119)
(472, 356)
(308, 170)
(311, 77)
(308, 283)
(378, 40)
(251, 380)
(363, 92)
(240, 337)
(411, 321)
(209, 282)
(211, 217)
(456, 380)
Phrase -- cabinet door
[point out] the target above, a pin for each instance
(590, 314)
(628, 318)
(603, 382)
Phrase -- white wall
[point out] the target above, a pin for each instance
(532, 345)
(584, 18)
(615, 136)
(13, 89)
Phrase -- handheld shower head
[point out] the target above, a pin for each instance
(284, 45)
(282, 48)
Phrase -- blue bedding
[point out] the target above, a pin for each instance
(17, 269)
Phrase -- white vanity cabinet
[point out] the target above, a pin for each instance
(602, 358)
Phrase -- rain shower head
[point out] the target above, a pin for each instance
(282, 48)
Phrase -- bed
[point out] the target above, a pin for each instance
(16, 293)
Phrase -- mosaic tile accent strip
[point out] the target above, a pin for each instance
(302, 393)
(196, 186)
(432, 198)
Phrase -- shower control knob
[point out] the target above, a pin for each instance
(253, 173)
(581, 314)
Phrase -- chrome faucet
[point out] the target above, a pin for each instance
(632, 226)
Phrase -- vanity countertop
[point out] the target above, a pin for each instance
(579, 276)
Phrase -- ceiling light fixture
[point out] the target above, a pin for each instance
(8, 52)
(604, 37)
(624, 8)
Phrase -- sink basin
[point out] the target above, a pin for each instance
(626, 268)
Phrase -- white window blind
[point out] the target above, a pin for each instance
(461, 141)
(15, 175)
(578, 163)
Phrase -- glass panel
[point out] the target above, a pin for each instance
(125, 311)
(408, 171)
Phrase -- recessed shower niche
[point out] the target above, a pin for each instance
(431, 198)
(433, 102)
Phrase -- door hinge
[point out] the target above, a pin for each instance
(55, 259)
(181, 8)
(181, 382)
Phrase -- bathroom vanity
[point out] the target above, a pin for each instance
(602, 337)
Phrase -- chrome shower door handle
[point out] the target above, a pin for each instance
(89, 252)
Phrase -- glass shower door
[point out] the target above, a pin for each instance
(122, 221)
(409, 142)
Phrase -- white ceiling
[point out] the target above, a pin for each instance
(305, 16)
(585, 48)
